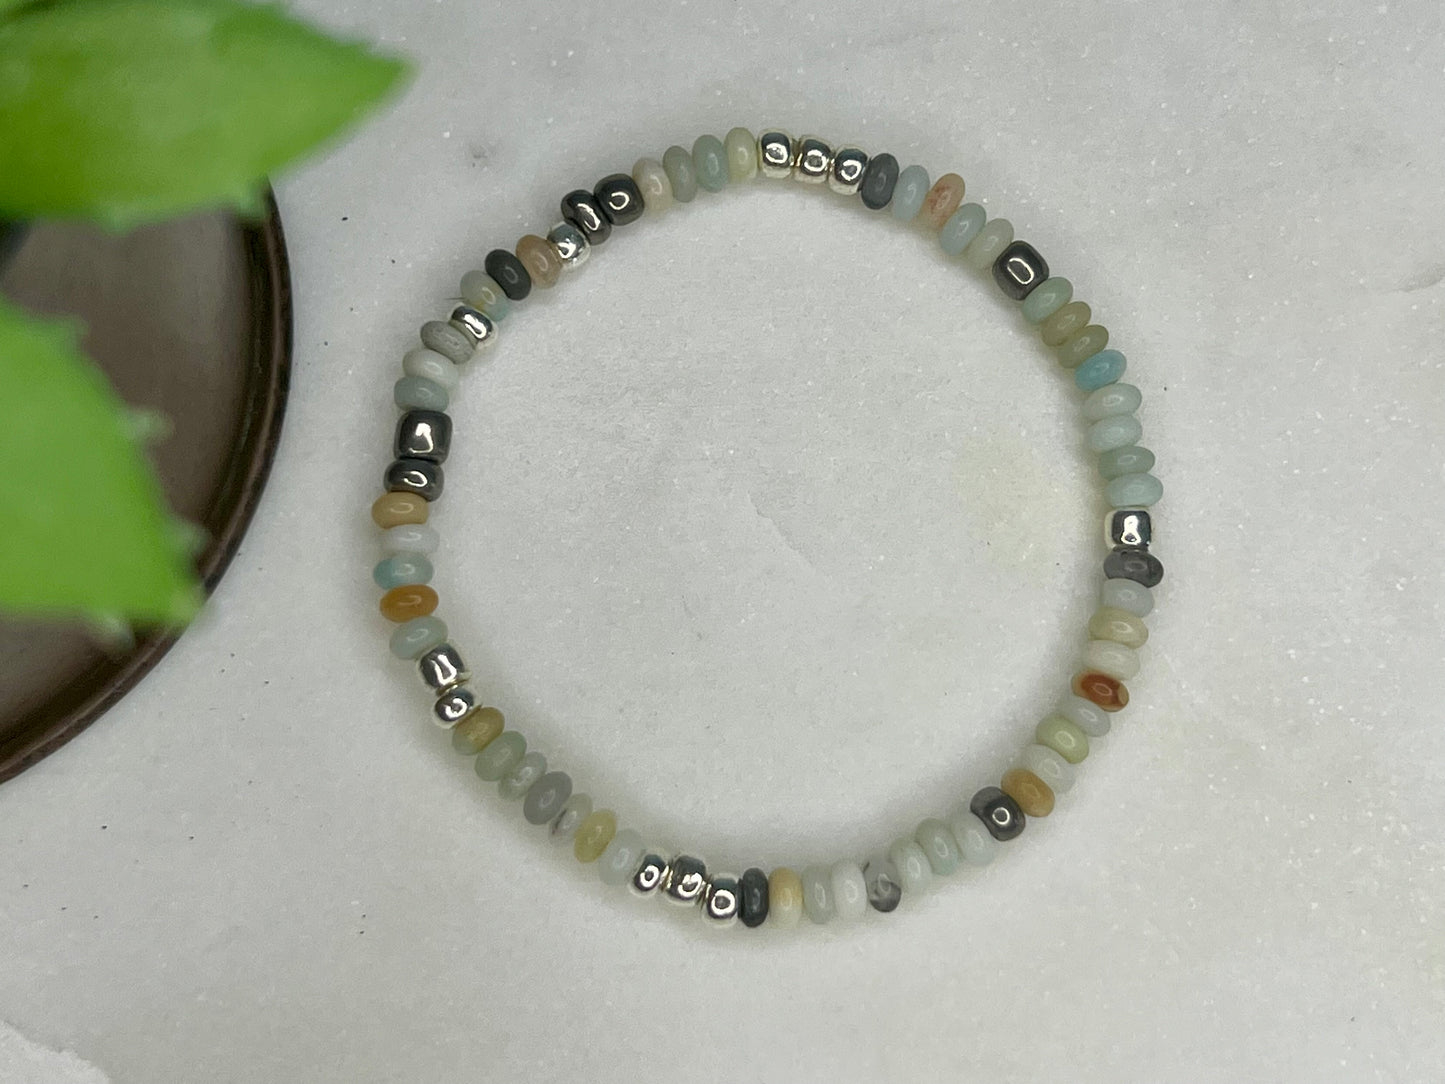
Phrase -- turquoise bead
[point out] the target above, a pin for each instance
(1104, 368)
(908, 193)
(1133, 490)
(400, 569)
(413, 639)
(961, 228)
(419, 393)
(1130, 460)
(1117, 432)
(681, 174)
(1048, 298)
(710, 161)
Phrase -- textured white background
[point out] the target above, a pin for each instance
(776, 530)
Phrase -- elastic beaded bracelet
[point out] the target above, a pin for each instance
(971, 833)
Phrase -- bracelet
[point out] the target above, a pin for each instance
(971, 833)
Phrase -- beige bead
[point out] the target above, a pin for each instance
(988, 244)
(1081, 347)
(1065, 324)
(942, 200)
(540, 259)
(1033, 795)
(394, 509)
(651, 180)
(1109, 623)
(478, 730)
(785, 898)
(593, 835)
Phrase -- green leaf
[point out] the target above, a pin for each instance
(128, 110)
(86, 528)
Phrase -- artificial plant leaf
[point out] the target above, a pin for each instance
(86, 528)
(128, 110)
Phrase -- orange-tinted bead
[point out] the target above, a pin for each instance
(942, 200)
(1034, 796)
(1101, 689)
(394, 509)
(408, 601)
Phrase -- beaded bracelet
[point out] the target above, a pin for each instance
(971, 833)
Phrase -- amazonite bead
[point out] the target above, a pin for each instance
(914, 872)
(1115, 432)
(1133, 491)
(1110, 658)
(1104, 368)
(961, 228)
(433, 366)
(681, 174)
(742, 154)
(410, 538)
(818, 894)
(1110, 401)
(620, 858)
(938, 844)
(651, 180)
(1053, 769)
(976, 845)
(400, 569)
(413, 639)
(1086, 715)
(1065, 324)
(501, 755)
(1063, 737)
(1082, 346)
(1129, 595)
(1049, 297)
(850, 891)
(996, 235)
(419, 393)
(1111, 623)
(908, 193)
(710, 163)
(480, 291)
(1122, 461)
(519, 779)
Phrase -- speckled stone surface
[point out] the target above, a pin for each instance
(779, 604)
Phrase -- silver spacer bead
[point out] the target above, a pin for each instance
(651, 875)
(442, 668)
(847, 172)
(454, 705)
(686, 881)
(814, 160)
(1130, 527)
(722, 900)
(571, 245)
(775, 154)
(475, 325)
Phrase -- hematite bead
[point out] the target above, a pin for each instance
(419, 476)
(442, 668)
(448, 340)
(650, 875)
(1000, 814)
(582, 209)
(885, 887)
(775, 154)
(454, 705)
(1127, 563)
(509, 273)
(620, 198)
(1129, 527)
(686, 880)
(1019, 270)
(475, 325)
(847, 172)
(571, 244)
(876, 187)
(423, 434)
(815, 160)
(753, 897)
(720, 900)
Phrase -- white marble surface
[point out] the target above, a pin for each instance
(777, 532)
